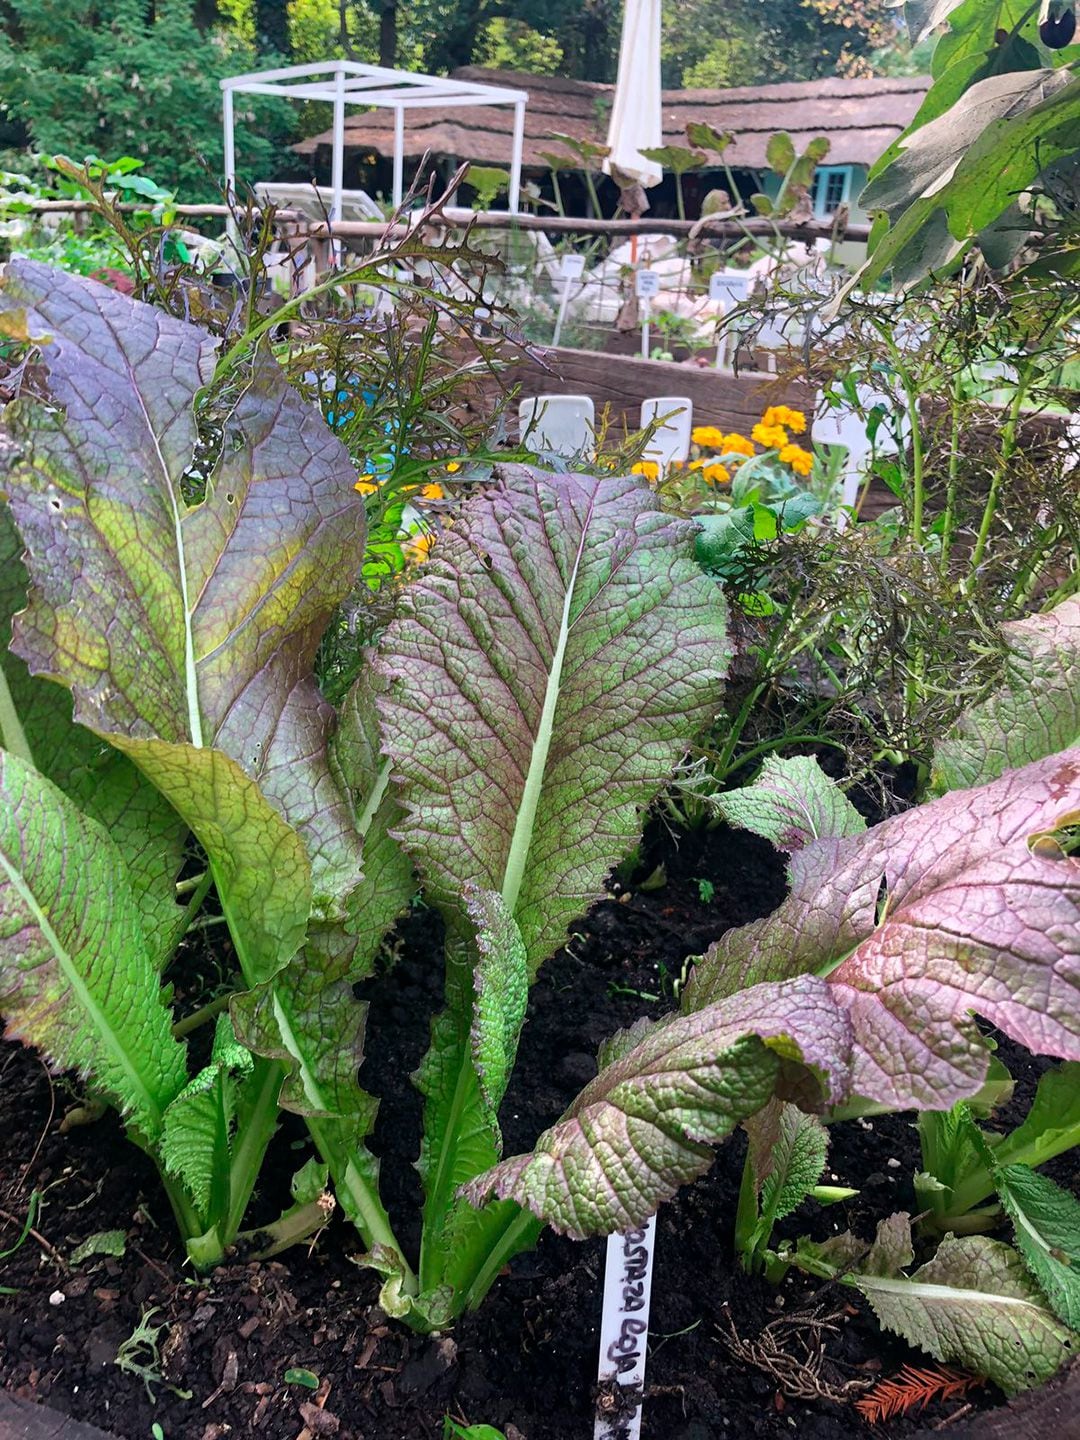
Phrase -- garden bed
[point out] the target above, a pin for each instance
(527, 1360)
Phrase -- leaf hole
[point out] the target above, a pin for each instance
(881, 904)
(230, 498)
(56, 504)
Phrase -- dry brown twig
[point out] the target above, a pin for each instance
(791, 1349)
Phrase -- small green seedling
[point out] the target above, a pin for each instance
(307, 1378)
(453, 1431)
(706, 891)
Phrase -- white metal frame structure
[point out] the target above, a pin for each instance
(345, 82)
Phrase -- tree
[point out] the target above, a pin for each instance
(755, 42)
(119, 77)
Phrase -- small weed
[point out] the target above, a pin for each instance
(140, 1355)
(706, 891)
(28, 1225)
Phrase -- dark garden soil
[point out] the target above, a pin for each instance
(527, 1361)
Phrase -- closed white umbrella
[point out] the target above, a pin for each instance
(636, 119)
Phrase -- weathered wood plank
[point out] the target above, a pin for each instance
(1050, 1413)
(733, 402)
(23, 1420)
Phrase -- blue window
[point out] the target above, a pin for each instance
(832, 188)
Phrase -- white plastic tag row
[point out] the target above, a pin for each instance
(571, 266)
(646, 284)
(624, 1327)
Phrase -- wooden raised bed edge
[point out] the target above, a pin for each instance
(1050, 1413)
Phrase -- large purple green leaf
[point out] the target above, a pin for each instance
(77, 980)
(547, 669)
(144, 827)
(899, 935)
(645, 1125)
(926, 918)
(548, 665)
(215, 609)
(1035, 712)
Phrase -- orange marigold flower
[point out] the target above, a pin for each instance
(649, 468)
(736, 444)
(419, 548)
(453, 466)
(366, 485)
(769, 437)
(707, 436)
(793, 420)
(432, 492)
(717, 474)
(800, 460)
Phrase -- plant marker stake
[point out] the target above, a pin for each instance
(646, 285)
(624, 1323)
(571, 267)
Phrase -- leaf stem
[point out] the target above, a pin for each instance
(11, 731)
(252, 1137)
(200, 1017)
(520, 1234)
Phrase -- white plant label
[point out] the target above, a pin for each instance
(571, 266)
(646, 284)
(624, 1327)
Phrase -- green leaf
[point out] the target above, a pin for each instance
(644, 1126)
(144, 827)
(952, 178)
(793, 1164)
(1035, 712)
(675, 158)
(102, 1242)
(780, 153)
(892, 1249)
(195, 1142)
(1046, 1224)
(704, 137)
(297, 1376)
(791, 803)
(76, 978)
(1052, 1125)
(974, 1305)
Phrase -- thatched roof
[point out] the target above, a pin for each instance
(859, 117)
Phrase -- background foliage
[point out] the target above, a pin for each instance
(116, 77)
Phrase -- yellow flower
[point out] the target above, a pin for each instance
(717, 474)
(452, 467)
(432, 492)
(708, 436)
(794, 420)
(770, 437)
(649, 468)
(800, 460)
(736, 444)
(366, 485)
(419, 548)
